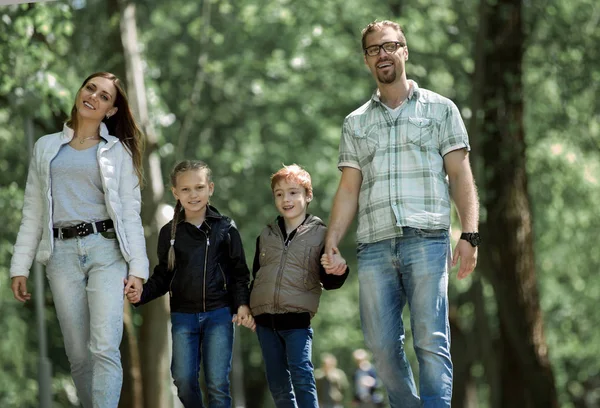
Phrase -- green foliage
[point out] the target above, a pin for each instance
(31, 88)
(561, 81)
(260, 83)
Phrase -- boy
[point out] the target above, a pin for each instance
(287, 285)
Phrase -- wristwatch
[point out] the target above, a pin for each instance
(472, 238)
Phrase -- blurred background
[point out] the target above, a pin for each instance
(248, 85)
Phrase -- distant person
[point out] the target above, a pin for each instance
(332, 383)
(203, 267)
(287, 286)
(367, 392)
(81, 214)
(403, 155)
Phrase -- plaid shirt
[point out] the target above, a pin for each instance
(402, 162)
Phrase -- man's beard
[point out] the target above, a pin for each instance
(386, 79)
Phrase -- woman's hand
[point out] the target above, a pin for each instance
(19, 288)
(134, 287)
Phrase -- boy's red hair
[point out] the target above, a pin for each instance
(293, 174)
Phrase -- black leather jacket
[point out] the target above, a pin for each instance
(210, 271)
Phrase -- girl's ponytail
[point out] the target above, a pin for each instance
(174, 222)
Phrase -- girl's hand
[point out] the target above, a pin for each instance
(134, 287)
(19, 288)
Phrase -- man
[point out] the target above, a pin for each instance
(402, 155)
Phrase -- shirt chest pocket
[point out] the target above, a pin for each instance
(421, 132)
(370, 139)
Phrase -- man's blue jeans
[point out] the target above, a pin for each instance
(412, 268)
(290, 372)
(205, 338)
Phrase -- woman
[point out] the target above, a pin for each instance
(82, 214)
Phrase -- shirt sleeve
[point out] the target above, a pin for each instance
(158, 284)
(453, 134)
(239, 268)
(30, 231)
(348, 156)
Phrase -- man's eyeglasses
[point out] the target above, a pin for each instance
(389, 47)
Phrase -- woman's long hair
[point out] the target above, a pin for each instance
(182, 167)
(122, 124)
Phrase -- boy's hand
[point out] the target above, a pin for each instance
(19, 288)
(134, 287)
(333, 262)
(244, 317)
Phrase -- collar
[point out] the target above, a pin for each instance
(211, 213)
(413, 92)
(281, 224)
(68, 134)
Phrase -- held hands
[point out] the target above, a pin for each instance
(19, 288)
(134, 287)
(468, 258)
(333, 262)
(244, 317)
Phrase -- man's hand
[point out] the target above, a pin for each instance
(19, 288)
(468, 258)
(333, 262)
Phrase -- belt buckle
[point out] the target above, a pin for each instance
(60, 233)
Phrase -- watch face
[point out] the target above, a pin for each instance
(475, 239)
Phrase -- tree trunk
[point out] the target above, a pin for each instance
(153, 333)
(463, 388)
(526, 375)
(195, 97)
(131, 394)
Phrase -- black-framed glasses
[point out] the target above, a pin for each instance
(389, 47)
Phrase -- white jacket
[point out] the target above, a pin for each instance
(121, 192)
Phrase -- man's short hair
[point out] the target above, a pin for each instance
(380, 25)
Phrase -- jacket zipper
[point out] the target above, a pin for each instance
(280, 273)
(49, 194)
(110, 210)
(204, 277)
(205, 264)
(224, 279)
(171, 283)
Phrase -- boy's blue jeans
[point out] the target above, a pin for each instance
(205, 338)
(412, 268)
(290, 372)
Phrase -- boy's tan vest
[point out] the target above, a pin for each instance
(288, 279)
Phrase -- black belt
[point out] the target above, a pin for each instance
(83, 229)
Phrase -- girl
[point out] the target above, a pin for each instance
(203, 267)
(82, 213)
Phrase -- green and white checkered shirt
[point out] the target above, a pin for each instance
(401, 160)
